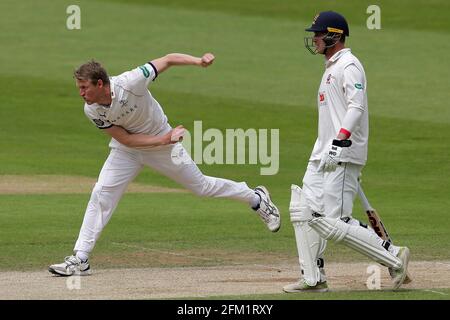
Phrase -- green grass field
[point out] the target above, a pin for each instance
(263, 77)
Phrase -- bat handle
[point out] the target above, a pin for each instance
(363, 198)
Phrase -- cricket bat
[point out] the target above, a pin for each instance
(376, 223)
(374, 218)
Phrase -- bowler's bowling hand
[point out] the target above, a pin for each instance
(177, 134)
(207, 59)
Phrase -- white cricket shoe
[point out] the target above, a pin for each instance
(302, 286)
(393, 274)
(71, 266)
(399, 275)
(267, 210)
(408, 278)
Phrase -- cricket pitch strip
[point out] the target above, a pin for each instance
(191, 282)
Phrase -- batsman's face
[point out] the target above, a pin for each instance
(318, 41)
(88, 91)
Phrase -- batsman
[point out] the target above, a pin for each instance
(322, 209)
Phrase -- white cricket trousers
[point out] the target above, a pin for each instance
(331, 193)
(122, 166)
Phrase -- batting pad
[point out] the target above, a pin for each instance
(298, 209)
(309, 245)
(358, 238)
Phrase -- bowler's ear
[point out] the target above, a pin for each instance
(100, 83)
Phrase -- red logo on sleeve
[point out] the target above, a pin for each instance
(322, 100)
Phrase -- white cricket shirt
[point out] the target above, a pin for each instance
(132, 107)
(343, 87)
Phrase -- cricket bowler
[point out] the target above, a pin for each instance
(123, 108)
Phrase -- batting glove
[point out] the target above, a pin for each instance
(332, 157)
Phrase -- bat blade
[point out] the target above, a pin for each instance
(374, 218)
(377, 225)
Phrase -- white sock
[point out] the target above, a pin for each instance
(255, 201)
(82, 255)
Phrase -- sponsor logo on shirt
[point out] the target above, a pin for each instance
(329, 78)
(359, 86)
(145, 71)
(124, 113)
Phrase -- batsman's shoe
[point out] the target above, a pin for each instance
(408, 278)
(302, 286)
(267, 210)
(71, 266)
(400, 274)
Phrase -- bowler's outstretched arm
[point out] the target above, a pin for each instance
(181, 59)
(140, 140)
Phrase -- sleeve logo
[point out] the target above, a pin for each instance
(145, 71)
(322, 99)
(98, 122)
(359, 86)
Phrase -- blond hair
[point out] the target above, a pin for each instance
(92, 71)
